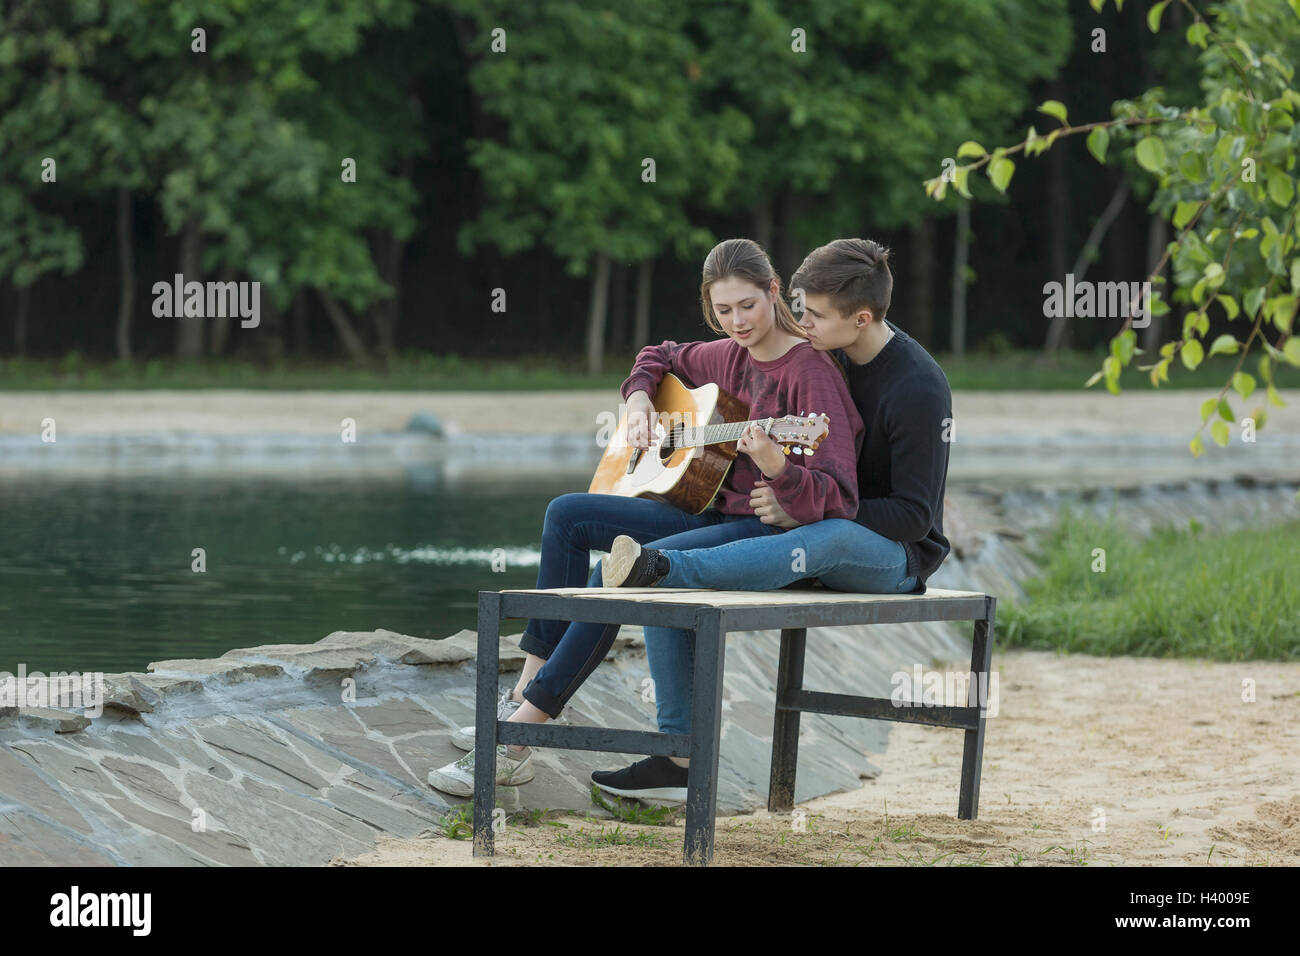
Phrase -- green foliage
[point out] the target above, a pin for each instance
(994, 368)
(1225, 174)
(843, 101)
(245, 139)
(586, 100)
(632, 811)
(1179, 593)
(458, 822)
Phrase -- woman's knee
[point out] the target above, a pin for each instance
(564, 513)
(563, 508)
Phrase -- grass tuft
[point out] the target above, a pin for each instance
(1179, 593)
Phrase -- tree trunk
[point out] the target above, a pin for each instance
(641, 327)
(763, 224)
(788, 255)
(596, 317)
(189, 329)
(1057, 331)
(387, 314)
(219, 326)
(352, 343)
(383, 314)
(1058, 187)
(300, 344)
(126, 270)
(618, 317)
(1157, 239)
(921, 278)
(960, 257)
(20, 320)
(273, 332)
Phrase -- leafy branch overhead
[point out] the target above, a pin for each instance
(1225, 175)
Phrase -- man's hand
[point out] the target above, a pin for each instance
(763, 500)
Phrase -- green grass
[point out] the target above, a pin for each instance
(422, 371)
(633, 811)
(1069, 370)
(1180, 593)
(615, 836)
(458, 822)
(408, 372)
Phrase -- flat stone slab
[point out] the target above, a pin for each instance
(258, 758)
(228, 671)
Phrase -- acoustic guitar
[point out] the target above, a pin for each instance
(693, 446)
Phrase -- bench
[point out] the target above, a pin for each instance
(711, 615)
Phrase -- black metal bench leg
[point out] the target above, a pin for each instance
(487, 668)
(981, 660)
(785, 726)
(706, 733)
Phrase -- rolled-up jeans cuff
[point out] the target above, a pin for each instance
(543, 699)
(535, 646)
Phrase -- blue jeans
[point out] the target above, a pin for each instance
(577, 524)
(845, 555)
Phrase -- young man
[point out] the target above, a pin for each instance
(892, 546)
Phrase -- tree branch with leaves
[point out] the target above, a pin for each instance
(1225, 176)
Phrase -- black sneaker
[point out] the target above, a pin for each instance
(628, 565)
(654, 779)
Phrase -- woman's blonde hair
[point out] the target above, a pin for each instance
(743, 259)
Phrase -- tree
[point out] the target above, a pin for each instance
(44, 103)
(600, 141)
(850, 101)
(1225, 175)
(237, 126)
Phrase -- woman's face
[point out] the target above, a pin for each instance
(746, 312)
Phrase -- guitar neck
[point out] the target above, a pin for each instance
(683, 437)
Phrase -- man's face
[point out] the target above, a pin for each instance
(826, 328)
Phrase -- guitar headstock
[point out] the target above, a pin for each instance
(803, 433)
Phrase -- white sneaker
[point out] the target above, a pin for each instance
(458, 778)
(463, 738)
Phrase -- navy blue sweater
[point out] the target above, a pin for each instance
(904, 399)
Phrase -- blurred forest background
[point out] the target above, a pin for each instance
(522, 169)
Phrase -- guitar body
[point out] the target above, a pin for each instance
(688, 478)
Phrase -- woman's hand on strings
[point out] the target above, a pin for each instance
(640, 414)
(767, 454)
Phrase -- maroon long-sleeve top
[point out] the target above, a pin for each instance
(801, 380)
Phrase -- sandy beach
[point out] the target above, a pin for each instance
(1091, 761)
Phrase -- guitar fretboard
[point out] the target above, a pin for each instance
(684, 437)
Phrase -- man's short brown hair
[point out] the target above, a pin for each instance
(854, 273)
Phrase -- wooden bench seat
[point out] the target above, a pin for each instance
(711, 615)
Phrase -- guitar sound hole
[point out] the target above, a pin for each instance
(669, 444)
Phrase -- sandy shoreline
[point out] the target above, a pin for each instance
(236, 411)
(1183, 771)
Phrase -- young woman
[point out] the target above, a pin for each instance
(766, 362)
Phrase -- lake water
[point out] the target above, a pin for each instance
(95, 575)
(95, 571)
